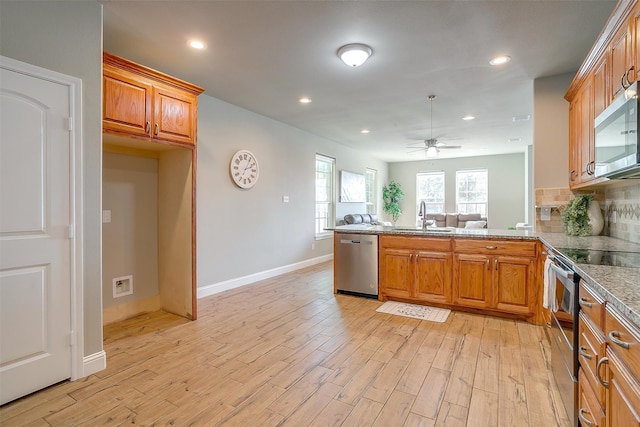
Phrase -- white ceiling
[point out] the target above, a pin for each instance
(265, 55)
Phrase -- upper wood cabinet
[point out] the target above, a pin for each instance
(145, 104)
(611, 66)
(622, 59)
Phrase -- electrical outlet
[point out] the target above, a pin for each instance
(313, 246)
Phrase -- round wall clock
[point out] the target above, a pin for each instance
(244, 169)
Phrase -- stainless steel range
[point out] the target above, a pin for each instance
(603, 257)
(562, 330)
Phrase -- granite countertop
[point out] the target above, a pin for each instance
(436, 231)
(619, 286)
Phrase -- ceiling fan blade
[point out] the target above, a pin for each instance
(449, 146)
(416, 151)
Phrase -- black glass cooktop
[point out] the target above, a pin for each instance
(598, 257)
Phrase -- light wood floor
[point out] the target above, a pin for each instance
(286, 351)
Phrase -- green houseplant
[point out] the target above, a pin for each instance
(392, 195)
(575, 217)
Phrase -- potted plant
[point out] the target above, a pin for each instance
(392, 195)
(582, 216)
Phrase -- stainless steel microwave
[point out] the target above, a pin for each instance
(616, 138)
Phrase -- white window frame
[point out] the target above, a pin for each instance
(371, 184)
(329, 199)
(464, 207)
(419, 197)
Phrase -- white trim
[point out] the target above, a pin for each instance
(207, 290)
(75, 194)
(94, 363)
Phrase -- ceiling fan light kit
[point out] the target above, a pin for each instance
(354, 54)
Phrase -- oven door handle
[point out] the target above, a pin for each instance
(562, 272)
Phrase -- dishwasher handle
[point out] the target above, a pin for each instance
(355, 242)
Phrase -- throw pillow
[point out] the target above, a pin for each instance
(475, 224)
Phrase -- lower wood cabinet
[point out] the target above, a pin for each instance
(495, 275)
(609, 366)
(459, 272)
(414, 268)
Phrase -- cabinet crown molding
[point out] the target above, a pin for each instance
(150, 73)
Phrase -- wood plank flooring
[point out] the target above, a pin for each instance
(288, 352)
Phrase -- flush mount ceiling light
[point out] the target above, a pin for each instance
(354, 54)
(468, 117)
(196, 44)
(498, 60)
(304, 100)
(365, 131)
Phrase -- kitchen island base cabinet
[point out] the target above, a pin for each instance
(495, 275)
(415, 269)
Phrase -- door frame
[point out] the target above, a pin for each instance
(74, 126)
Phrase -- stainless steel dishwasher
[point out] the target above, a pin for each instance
(356, 264)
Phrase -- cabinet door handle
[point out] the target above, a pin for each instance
(622, 78)
(147, 128)
(584, 303)
(583, 352)
(157, 129)
(613, 336)
(600, 363)
(410, 258)
(626, 76)
(583, 420)
(495, 264)
(491, 247)
(417, 256)
(488, 264)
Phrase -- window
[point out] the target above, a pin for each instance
(472, 191)
(370, 177)
(325, 173)
(430, 189)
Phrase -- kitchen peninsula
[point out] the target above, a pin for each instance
(488, 270)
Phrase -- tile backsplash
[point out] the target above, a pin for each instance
(620, 206)
(622, 212)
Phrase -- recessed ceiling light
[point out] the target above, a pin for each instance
(498, 60)
(514, 140)
(365, 131)
(522, 118)
(468, 117)
(305, 100)
(197, 44)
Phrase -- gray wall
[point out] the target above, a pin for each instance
(66, 36)
(551, 132)
(242, 232)
(506, 185)
(130, 240)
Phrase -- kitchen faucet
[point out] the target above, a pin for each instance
(423, 214)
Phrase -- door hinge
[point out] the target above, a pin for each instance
(71, 231)
(69, 124)
(72, 339)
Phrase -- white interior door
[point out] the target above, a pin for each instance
(35, 245)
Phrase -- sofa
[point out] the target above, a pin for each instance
(434, 220)
(359, 219)
(459, 220)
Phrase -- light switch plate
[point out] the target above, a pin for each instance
(106, 216)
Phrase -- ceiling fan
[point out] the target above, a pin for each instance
(431, 145)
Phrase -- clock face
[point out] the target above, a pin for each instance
(244, 169)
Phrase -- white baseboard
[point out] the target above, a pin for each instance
(205, 291)
(93, 363)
